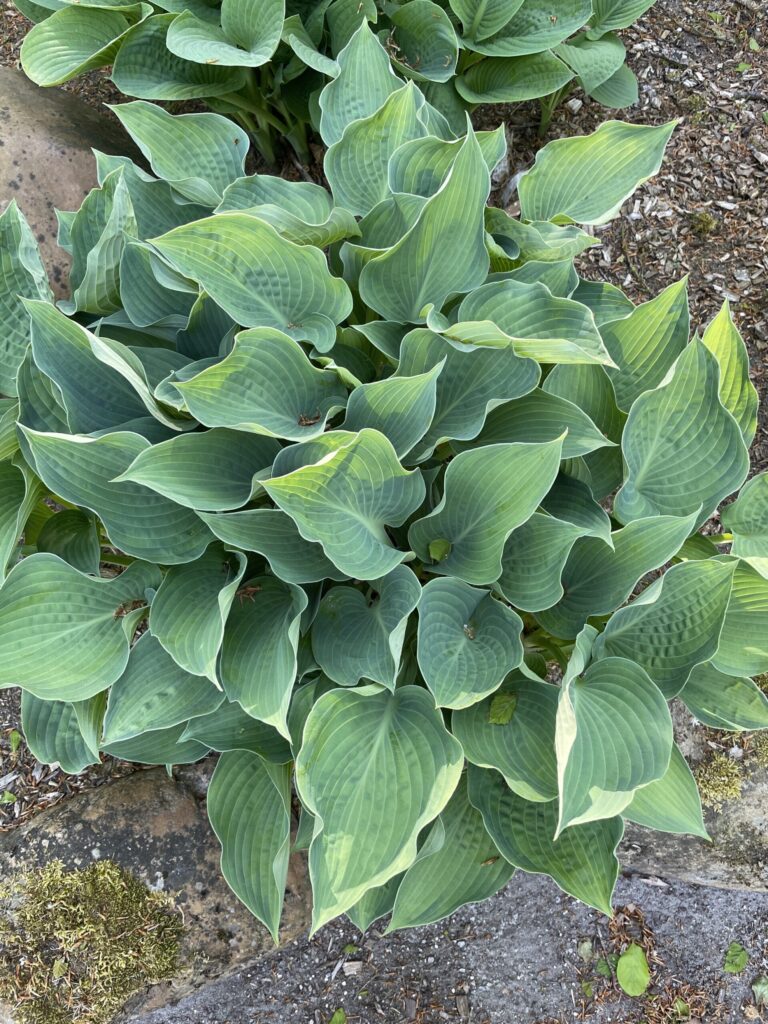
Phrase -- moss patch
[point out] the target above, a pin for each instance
(74, 945)
(758, 748)
(719, 779)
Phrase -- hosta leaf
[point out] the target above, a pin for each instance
(471, 381)
(488, 493)
(344, 501)
(582, 861)
(587, 179)
(421, 166)
(747, 518)
(95, 397)
(608, 15)
(674, 625)
(207, 330)
(274, 535)
(281, 285)
(61, 632)
(145, 67)
(199, 154)
(138, 521)
(606, 301)
(672, 803)
(597, 578)
(249, 807)
(645, 344)
(743, 649)
(304, 47)
(41, 405)
(74, 40)
(466, 868)
(90, 716)
(154, 692)
(531, 321)
(160, 746)
(213, 470)
(682, 448)
(423, 41)
(379, 901)
(191, 607)
(401, 408)
(9, 414)
(52, 733)
(20, 491)
(467, 642)
(481, 18)
(533, 560)
(522, 747)
(737, 392)
(596, 779)
(620, 90)
(74, 536)
(513, 79)
(725, 702)
(368, 753)
(360, 636)
(593, 60)
(249, 33)
(538, 417)
(266, 385)
(364, 82)
(228, 727)
(22, 275)
(571, 500)
(258, 656)
(534, 28)
(150, 292)
(543, 242)
(356, 165)
(402, 281)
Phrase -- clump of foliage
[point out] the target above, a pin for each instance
(719, 779)
(74, 945)
(336, 513)
(264, 63)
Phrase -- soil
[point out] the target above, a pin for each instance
(520, 958)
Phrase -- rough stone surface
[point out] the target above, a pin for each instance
(156, 827)
(46, 137)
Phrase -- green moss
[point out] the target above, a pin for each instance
(74, 945)
(702, 223)
(758, 748)
(719, 779)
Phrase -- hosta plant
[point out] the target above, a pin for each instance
(265, 61)
(368, 490)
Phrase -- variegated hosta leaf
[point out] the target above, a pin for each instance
(481, 19)
(672, 803)
(266, 385)
(466, 867)
(513, 79)
(608, 15)
(371, 755)
(725, 702)
(587, 179)
(743, 646)
(488, 493)
(513, 731)
(421, 166)
(401, 408)
(258, 655)
(191, 607)
(74, 536)
(52, 733)
(248, 35)
(22, 276)
(160, 746)
(249, 807)
(360, 636)
(675, 624)
(345, 500)
(280, 285)
(467, 642)
(593, 60)
(20, 491)
(423, 42)
(737, 392)
(572, 501)
(154, 692)
(747, 519)
(599, 577)
(527, 318)
(534, 28)
(582, 860)
(62, 635)
(597, 779)
(82, 470)
(406, 278)
(228, 727)
(199, 154)
(682, 448)
(533, 560)
(645, 344)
